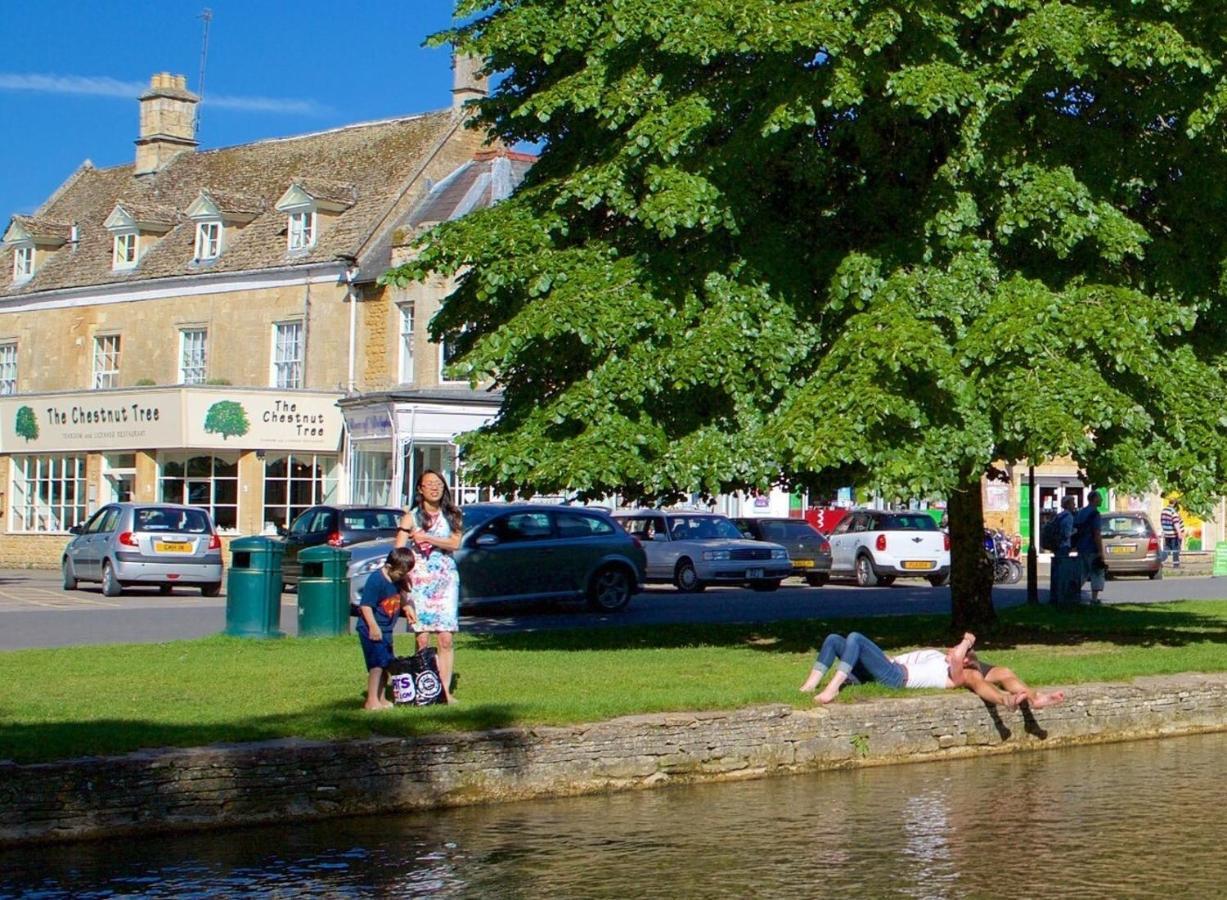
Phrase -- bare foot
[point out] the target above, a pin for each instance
(371, 707)
(831, 692)
(812, 682)
(1042, 700)
(386, 704)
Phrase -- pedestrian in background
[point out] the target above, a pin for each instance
(1088, 542)
(1172, 525)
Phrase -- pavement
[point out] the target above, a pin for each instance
(35, 611)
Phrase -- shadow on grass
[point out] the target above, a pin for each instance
(1142, 625)
(25, 742)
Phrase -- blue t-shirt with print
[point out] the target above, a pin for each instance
(1086, 526)
(383, 597)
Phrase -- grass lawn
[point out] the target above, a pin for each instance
(105, 700)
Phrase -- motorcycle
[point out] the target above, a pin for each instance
(1004, 551)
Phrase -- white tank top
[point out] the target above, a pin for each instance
(925, 668)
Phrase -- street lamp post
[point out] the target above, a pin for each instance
(1033, 591)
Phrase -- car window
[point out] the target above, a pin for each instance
(369, 519)
(95, 524)
(857, 524)
(906, 522)
(111, 520)
(194, 521)
(844, 526)
(575, 525)
(302, 525)
(1125, 527)
(787, 531)
(521, 526)
(702, 528)
(646, 528)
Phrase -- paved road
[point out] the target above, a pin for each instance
(36, 612)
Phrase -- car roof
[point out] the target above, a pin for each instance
(493, 508)
(668, 512)
(153, 504)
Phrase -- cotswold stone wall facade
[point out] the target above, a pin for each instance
(271, 782)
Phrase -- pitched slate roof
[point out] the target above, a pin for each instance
(42, 230)
(366, 165)
(489, 177)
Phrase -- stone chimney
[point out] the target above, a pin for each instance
(467, 83)
(168, 122)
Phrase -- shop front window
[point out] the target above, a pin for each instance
(371, 475)
(210, 482)
(439, 457)
(296, 481)
(48, 492)
(119, 472)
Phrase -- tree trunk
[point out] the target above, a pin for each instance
(971, 571)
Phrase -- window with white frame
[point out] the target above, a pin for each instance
(287, 355)
(8, 368)
(208, 240)
(405, 311)
(447, 352)
(193, 355)
(210, 482)
(302, 229)
(106, 361)
(294, 482)
(124, 254)
(23, 263)
(48, 492)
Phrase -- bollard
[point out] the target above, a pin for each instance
(253, 588)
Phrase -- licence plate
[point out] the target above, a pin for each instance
(1122, 548)
(918, 564)
(172, 547)
(803, 563)
(754, 573)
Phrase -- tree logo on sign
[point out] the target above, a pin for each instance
(227, 418)
(27, 424)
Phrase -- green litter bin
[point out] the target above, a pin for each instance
(323, 592)
(1066, 588)
(253, 588)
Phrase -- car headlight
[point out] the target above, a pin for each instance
(710, 555)
(366, 568)
(779, 554)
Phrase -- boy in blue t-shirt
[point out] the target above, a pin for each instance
(383, 601)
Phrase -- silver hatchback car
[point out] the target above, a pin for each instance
(128, 544)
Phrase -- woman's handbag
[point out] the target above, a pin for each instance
(415, 679)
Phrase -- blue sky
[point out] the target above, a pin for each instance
(70, 72)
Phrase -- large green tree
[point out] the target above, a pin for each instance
(848, 241)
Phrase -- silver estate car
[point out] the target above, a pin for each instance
(693, 549)
(146, 544)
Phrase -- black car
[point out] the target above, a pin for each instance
(809, 551)
(336, 526)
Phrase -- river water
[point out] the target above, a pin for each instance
(1143, 819)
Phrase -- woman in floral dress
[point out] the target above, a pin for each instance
(432, 528)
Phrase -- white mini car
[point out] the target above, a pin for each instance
(877, 546)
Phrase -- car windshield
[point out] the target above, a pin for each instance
(155, 518)
(906, 522)
(1124, 527)
(701, 528)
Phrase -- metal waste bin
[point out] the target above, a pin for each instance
(253, 588)
(323, 592)
(1066, 586)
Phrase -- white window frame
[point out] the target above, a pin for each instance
(301, 232)
(288, 371)
(48, 493)
(443, 353)
(125, 250)
(405, 315)
(208, 240)
(318, 485)
(107, 349)
(186, 486)
(23, 262)
(8, 368)
(193, 360)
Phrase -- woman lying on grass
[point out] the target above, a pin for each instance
(861, 660)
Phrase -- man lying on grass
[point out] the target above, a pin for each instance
(861, 660)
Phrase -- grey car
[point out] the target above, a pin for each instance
(145, 544)
(336, 526)
(530, 551)
(692, 549)
(807, 547)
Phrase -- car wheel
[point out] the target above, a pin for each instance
(886, 580)
(610, 589)
(70, 577)
(765, 585)
(865, 574)
(817, 580)
(164, 589)
(211, 590)
(110, 584)
(939, 580)
(1157, 573)
(686, 578)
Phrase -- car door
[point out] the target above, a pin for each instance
(308, 530)
(583, 539)
(511, 557)
(84, 551)
(843, 542)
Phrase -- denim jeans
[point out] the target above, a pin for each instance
(1171, 547)
(861, 658)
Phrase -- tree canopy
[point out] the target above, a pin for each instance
(826, 242)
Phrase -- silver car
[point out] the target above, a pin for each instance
(532, 551)
(693, 549)
(128, 544)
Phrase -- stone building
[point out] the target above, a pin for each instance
(182, 328)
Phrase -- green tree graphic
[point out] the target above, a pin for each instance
(227, 418)
(27, 424)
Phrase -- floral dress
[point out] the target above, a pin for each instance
(435, 580)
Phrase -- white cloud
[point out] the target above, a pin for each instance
(104, 86)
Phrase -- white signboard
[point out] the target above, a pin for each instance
(262, 420)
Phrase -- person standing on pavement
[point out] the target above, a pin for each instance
(432, 528)
(1088, 542)
(1172, 526)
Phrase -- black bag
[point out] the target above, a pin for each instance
(1050, 534)
(415, 679)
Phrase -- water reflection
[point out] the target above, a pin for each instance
(1142, 819)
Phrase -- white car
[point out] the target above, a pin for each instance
(877, 546)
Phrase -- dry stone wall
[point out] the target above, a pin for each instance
(221, 786)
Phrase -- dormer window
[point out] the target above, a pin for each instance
(23, 262)
(302, 229)
(123, 256)
(208, 240)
